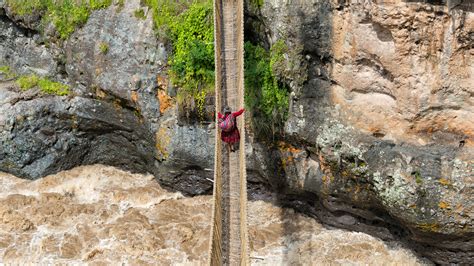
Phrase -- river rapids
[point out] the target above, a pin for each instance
(100, 215)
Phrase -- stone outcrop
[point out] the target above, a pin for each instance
(383, 124)
(112, 109)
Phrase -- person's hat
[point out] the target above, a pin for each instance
(227, 110)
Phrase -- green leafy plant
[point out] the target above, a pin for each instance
(104, 47)
(188, 25)
(418, 178)
(266, 98)
(27, 82)
(139, 13)
(25, 7)
(256, 3)
(192, 63)
(166, 11)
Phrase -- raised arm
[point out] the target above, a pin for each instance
(235, 114)
(219, 115)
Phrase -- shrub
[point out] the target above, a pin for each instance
(166, 11)
(27, 82)
(188, 25)
(192, 63)
(266, 98)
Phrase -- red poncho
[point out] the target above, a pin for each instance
(234, 135)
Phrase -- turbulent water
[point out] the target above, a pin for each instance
(100, 215)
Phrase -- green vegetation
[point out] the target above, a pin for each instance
(165, 13)
(256, 3)
(66, 15)
(104, 47)
(45, 85)
(139, 13)
(265, 96)
(188, 25)
(27, 82)
(51, 87)
(120, 4)
(8, 73)
(418, 178)
(192, 63)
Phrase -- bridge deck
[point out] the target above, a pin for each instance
(229, 232)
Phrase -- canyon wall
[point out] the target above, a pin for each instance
(379, 136)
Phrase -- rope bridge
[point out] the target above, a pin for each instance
(229, 237)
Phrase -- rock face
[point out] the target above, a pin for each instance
(110, 115)
(383, 124)
(379, 137)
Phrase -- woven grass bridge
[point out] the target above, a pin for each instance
(229, 238)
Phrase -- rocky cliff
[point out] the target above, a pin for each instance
(383, 125)
(379, 136)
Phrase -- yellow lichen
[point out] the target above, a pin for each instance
(100, 93)
(444, 182)
(429, 227)
(161, 143)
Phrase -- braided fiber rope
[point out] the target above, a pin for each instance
(229, 235)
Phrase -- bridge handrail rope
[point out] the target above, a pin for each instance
(223, 245)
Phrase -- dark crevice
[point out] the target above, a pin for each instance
(27, 32)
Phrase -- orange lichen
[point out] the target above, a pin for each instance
(443, 205)
(134, 96)
(283, 146)
(162, 81)
(165, 101)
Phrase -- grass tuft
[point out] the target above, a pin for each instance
(27, 82)
(139, 13)
(7, 72)
(66, 15)
(54, 88)
(104, 47)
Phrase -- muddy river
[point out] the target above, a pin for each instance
(99, 215)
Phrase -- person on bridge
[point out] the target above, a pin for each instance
(228, 124)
